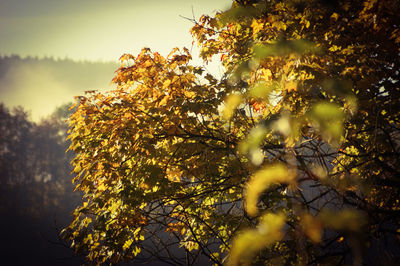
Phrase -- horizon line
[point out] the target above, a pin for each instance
(56, 58)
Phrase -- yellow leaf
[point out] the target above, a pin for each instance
(279, 25)
(189, 94)
(127, 244)
(335, 16)
(73, 106)
(176, 49)
(136, 250)
(147, 64)
(174, 175)
(166, 83)
(250, 241)
(267, 74)
(174, 65)
(164, 100)
(312, 227)
(231, 102)
(335, 48)
(78, 168)
(257, 26)
(101, 186)
(144, 186)
(291, 86)
(271, 174)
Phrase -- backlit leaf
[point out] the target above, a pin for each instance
(250, 241)
(263, 179)
(231, 103)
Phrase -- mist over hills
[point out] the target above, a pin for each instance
(42, 84)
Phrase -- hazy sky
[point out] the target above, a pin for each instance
(97, 29)
(87, 30)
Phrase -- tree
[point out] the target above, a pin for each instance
(291, 157)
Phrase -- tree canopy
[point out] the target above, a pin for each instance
(291, 157)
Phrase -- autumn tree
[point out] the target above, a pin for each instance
(291, 157)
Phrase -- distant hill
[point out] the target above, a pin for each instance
(42, 84)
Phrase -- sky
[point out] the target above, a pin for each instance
(94, 30)
(98, 30)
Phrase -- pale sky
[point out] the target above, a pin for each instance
(98, 29)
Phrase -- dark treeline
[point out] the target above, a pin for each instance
(36, 192)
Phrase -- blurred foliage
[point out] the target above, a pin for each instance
(290, 158)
